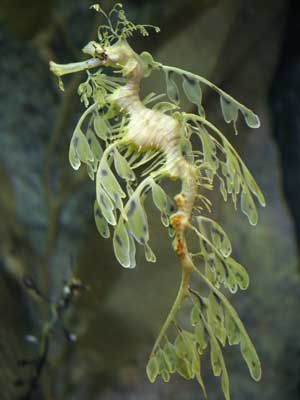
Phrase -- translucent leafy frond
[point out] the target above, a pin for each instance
(230, 106)
(172, 89)
(118, 26)
(247, 349)
(183, 356)
(226, 164)
(216, 234)
(215, 250)
(216, 355)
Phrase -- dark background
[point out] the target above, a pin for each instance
(248, 47)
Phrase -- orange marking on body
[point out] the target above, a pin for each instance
(181, 249)
(176, 221)
(181, 201)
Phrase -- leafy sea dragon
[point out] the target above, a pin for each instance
(120, 133)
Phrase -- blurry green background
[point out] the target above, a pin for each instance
(248, 47)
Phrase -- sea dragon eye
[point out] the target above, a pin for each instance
(103, 56)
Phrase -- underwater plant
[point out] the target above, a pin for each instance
(129, 148)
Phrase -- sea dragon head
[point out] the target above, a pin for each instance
(116, 55)
(112, 48)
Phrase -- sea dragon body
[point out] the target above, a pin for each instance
(148, 128)
(135, 134)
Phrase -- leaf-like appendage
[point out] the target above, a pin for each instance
(132, 252)
(193, 91)
(80, 150)
(149, 63)
(101, 222)
(209, 150)
(172, 89)
(232, 330)
(121, 244)
(122, 167)
(73, 156)
(251, 119)
(106, 178)
(137, 220)
(240, 274)
(251, 358)
(152, 369)
(101, 128)
(248, 206)
(170, 356)
(253, 186)
(106, 205)
(200, 336)
(229, 109)
(94, 145)
(149, 254)
(215, 318)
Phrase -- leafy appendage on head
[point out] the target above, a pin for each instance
(118, 26)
